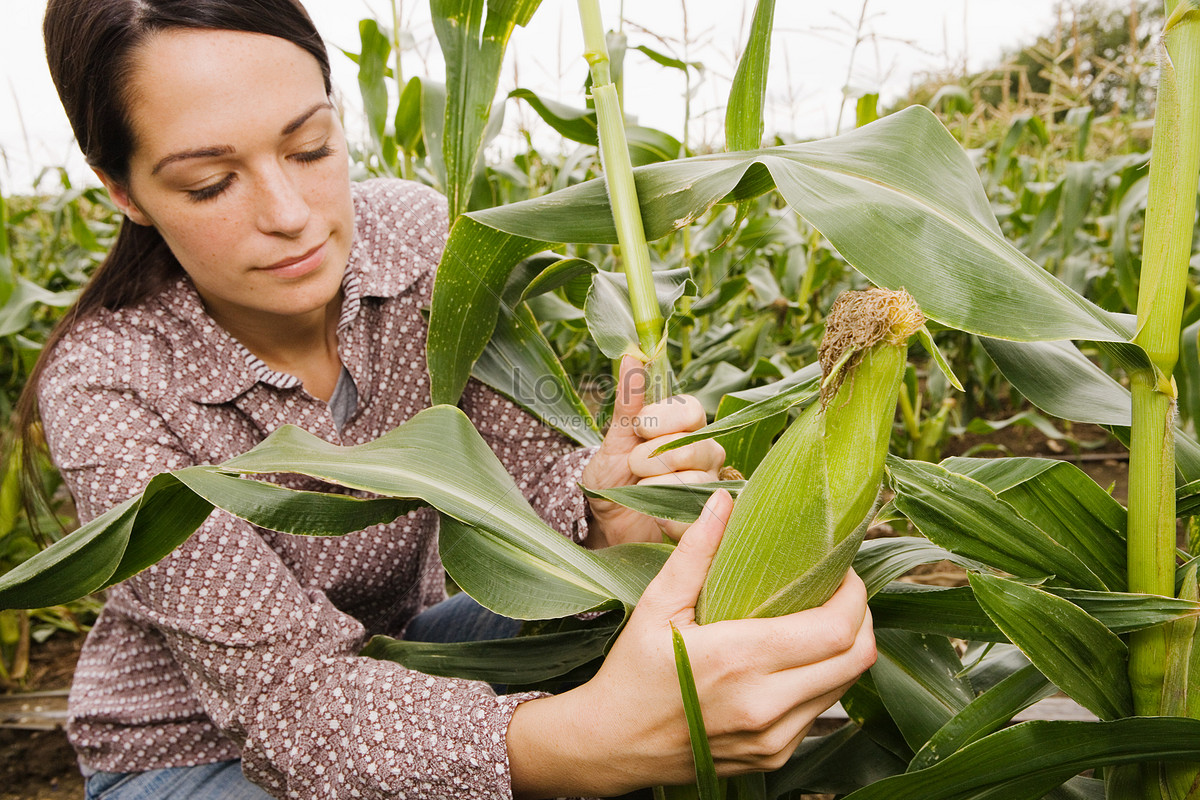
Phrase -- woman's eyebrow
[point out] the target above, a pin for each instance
(224, 149)
(201, 152)
(295, 124)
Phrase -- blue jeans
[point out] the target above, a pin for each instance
(459, 619)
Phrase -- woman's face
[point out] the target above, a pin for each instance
(240, 163)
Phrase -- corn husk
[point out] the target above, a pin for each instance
(800, 519)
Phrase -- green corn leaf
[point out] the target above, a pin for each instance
(436, 457)
(650, 145)
(918, 679)
(679, 502)
(475, 286)
(1181, 689)
(925, 226)
(10, 491)
(746, 447)
(6, 274)
(1125, 612)
(838, 763)
(1027, 761)
(1181, 684)
(483, 564)
(433, 129)
(18, 309)
(706, 773)
(963, 515)
(881, 561)
(1064, 502)
(372, 66)
(519, 363)
(1030, 419)
(473, 48)
(301, 513)
(486, 564)
(575, 124)
(109, 549)
(610, 317)
(646, 145)
(1127, 255)
(1187, 375)
(1078, 191)
(865, 708)
(1081, 118)
(524, 659)
(1072, 648)
(1059, 380)
(798, 389)
(955, 612)
(564, 273)
(408, 122)
(1017, 130)
(671, 62)
(952, 612)
(744, 118)
(985, 714)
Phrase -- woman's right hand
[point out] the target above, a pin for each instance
(761, 682)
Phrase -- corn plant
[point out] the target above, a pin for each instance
(1068, 590)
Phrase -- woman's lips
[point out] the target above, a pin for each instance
(298, 265)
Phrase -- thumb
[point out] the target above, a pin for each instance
(630, 398)
(677, 586)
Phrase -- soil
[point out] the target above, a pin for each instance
(40, 765)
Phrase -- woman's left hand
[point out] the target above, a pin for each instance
(626, 457)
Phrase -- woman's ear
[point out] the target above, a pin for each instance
(121, 199)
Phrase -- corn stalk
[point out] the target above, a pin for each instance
(1167, 247)
(622, 191)
(1154, 653)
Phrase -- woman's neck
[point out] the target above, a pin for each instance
(302, 345)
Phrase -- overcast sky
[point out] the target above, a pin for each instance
(812, 52)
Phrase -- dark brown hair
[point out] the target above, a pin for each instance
(90, 48)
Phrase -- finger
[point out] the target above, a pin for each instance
(816, 634)
(680, 413)
(703, 455)
(678, 478)
(631, 391)
(674, 591)
(622, 433)
(769, 749)
(834, 674)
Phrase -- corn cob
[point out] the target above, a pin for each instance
(802, 515)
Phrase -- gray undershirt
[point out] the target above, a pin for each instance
(344, 400)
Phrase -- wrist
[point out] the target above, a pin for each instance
(558, 746)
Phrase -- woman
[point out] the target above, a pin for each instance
(253, 286)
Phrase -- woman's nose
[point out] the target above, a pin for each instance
(282, 207)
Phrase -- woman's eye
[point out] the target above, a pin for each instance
(309, 156)
(211, 191)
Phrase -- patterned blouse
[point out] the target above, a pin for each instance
(242, 643)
